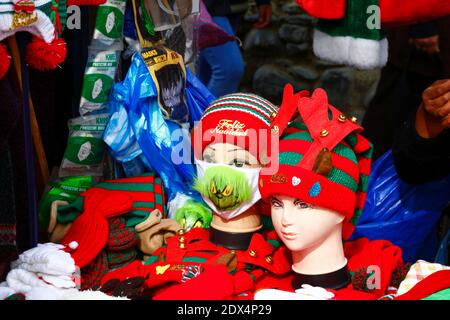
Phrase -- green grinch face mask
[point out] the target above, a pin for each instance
(229, 191)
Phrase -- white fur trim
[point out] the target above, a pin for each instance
(357, 52)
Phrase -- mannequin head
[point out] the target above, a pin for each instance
(227, 144)
(302, 226)
(318, 192)
(230, 154)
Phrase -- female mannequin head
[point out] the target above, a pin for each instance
(300, 225)
(317, 194)
(227, 146)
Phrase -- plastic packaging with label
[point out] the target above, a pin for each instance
(98, 80)
(109, 24)
(85, 148)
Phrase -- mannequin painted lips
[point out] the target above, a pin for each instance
(289, 235)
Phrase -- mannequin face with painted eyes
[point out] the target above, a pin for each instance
(302, 226)
(229, 154)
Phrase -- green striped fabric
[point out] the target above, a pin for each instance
(297, 133)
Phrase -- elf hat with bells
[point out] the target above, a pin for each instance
(324, 162)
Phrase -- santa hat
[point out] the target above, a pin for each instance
(349, 40)
(239, 119)
(325, 162)
(343, 33)
(45, 20)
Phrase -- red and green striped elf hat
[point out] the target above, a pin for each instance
(324, 162)
(240, 119)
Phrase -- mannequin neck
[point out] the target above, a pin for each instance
(235, 233)
(323, 258)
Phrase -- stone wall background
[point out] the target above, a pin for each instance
(283, 54)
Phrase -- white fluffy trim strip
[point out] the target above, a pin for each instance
(356, 52)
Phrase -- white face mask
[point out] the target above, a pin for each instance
(252, 177)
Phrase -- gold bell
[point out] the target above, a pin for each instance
(252, 253)
(324, 133)
(354, 119)
(269, 259)
(182, 245)
(180, 232)
(181, 239)
(275, 130)
(273, 115)
(342, 117)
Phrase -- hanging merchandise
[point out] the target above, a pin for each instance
(198, 97)
(164, 14)
(145, 28)
(189, 14)
(168, 73)
(158, 137)
(407, 215)
(109, 24)
(169, 23)
(85, 148)
(98, 80)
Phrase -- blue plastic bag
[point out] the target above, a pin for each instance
(139, 128)
(407, 215)
(442, 256)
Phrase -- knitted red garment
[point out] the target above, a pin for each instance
(92, 274)
(156, 275)
(200, 288)
(240, 119)
(360, 254)
(90, 229)
(134, 269)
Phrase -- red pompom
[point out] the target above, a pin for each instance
(45, 56)
(5, 61)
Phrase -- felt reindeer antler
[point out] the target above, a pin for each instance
(288, 107)
(322, 119)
